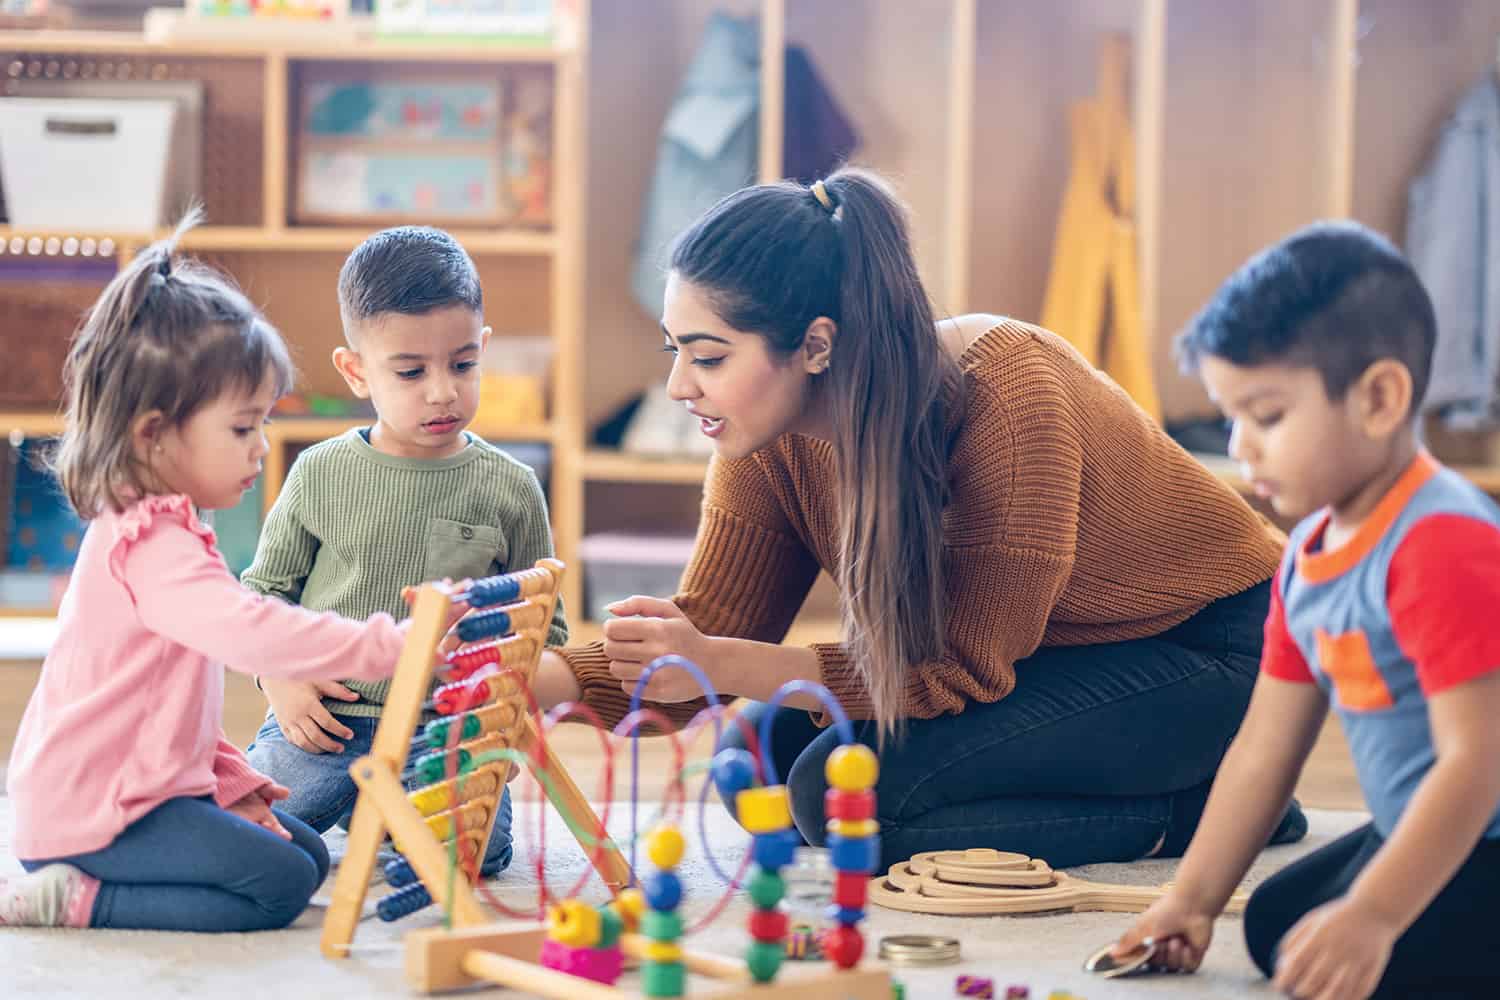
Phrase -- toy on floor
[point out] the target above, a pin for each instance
(583, 948)
(446, 823)
(976, 986)
(981, 881)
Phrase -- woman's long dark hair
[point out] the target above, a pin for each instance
(772, 259)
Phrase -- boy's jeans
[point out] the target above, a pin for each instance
(323, 792)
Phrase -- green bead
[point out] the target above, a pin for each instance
(661, 925)
(471, 727)
(766, 888)
(437, 734)
(898, 990)
(610, 927)
(764, 959)
(662, 979)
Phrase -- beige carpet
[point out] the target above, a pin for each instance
(1044, 952)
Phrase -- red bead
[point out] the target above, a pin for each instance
(842, 946)
(850, 889)
(768, 925)
(849, 805)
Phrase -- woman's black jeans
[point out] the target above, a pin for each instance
(1101, 753)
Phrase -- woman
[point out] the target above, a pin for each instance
(1053, 613)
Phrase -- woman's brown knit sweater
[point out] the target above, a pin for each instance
(1074, 519)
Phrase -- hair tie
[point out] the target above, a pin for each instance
(821, 193)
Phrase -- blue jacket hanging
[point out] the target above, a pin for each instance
(709, 146)
(1453, 240)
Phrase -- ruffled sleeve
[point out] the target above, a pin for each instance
(182, 590)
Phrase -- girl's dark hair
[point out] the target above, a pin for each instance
(165, 334)
(772, 259)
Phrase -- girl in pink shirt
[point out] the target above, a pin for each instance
(132, 809)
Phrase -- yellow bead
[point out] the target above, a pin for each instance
(854, 828)
(852, 768)
(662, 951)
(431, 800)
(763, 810)
(630, 904)
(664, 846)
(573, 923)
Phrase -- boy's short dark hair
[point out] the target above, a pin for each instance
(1334, 296)
(410, 270)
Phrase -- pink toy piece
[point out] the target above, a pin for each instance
(556, 955)
(602, 965)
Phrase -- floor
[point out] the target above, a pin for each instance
(1043, 951)
(1328, 781)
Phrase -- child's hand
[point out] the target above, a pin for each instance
(304, 721)
(256, 807)
(456, 611)
(1181, 932)
(1335, 952)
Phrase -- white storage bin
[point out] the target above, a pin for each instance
(618, 565)
(73, 164)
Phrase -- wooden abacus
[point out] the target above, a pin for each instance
(487, 710)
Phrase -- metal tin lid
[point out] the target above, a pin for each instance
(919, 949)
(1108, 966)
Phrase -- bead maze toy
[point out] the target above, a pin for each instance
(578, 951)
(482, 711)
(981, 882)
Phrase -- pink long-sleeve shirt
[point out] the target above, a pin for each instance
(129, 709)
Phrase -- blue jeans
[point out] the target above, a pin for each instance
(1100, 753)
(323, 792)
(189, 865)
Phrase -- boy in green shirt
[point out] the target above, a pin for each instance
(413, 497)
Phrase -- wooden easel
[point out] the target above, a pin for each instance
(384, 804)
(1092, 296)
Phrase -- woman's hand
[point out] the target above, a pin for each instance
(1335, 952)
(649, 627)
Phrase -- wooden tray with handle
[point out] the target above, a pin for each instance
(981, 881)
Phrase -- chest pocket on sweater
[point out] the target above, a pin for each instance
(458, 550)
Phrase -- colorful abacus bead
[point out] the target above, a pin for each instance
(492, 590)
(975, 986)
(662, 972)
(467, 659)
(1017, 992)
(853, 846)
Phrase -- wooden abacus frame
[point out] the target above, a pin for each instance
(383, 804)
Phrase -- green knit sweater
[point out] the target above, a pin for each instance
(353, 525)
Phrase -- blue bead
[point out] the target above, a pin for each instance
(483, 625)
(663, 891)
(844, 916)
(403, 902)
(398, 872)
(773, 851)
(854, 854)
(734, 771)
(493, 590)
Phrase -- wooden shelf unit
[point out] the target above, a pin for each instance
(532, 277)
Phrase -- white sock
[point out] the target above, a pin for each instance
(53, 896)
